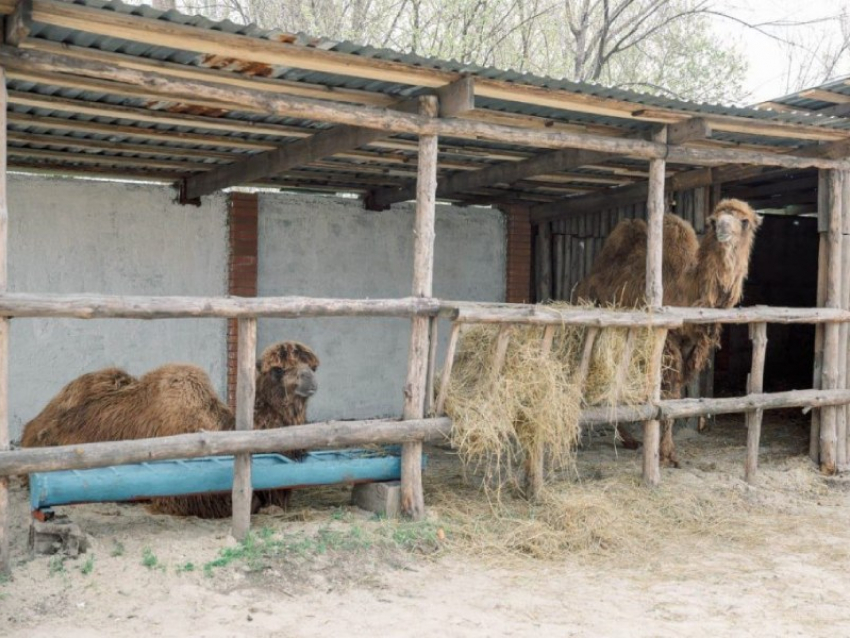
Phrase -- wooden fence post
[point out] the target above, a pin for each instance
(5, 565)
(412, 498)
(655, 299)
(246, 371)
(832, 332)
(755, 385)
(823, 261)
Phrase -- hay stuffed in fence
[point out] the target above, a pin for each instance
(535, 397)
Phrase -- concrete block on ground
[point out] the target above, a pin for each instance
(383, 498)
(55, 536)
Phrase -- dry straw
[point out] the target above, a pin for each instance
(536, 397)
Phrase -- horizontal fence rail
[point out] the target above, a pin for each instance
(137, 307)
(330, 434)
(686, 408)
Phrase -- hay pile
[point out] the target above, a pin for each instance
(535, 398)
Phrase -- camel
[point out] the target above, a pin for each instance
(706, 274)
(111, 405)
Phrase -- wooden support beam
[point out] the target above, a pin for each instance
(685, 180)
(590, 335)
(508, 173)
(327, 143)
(246, 372)
(433, 340)
(755, 385)
(19, 23)
(412, 498)
(655, 299)
(823, 262)
(535, 461)
(5, 528)
(830, 376)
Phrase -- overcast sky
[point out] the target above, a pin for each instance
(768, 58)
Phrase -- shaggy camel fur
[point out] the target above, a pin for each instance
(707, 274)
(111, 405)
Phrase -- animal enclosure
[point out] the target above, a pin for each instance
(194, 111)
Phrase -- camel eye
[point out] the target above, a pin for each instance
(745, 223)
(712, 222)
(277, 372)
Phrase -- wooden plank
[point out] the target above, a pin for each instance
(535, 465)
(246, 369)
(590, 335)
(19, 23)
(558, 268)
(5, 442)
(544, 258)
(696, 128)
(823, 261)
(433, 340)
(755, 385)
(822, 95)
(412, 498)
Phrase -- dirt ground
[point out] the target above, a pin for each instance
(705, 555)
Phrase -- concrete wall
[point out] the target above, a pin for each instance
(331, 247)
(74, 236)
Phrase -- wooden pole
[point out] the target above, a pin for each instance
(412, 499)
(246, 375)
(558, 267)
(843, 420)
(758, 335)
(433, 340)
(446, 377)
(655, 299)
(327, 435)
(536, 455)
(829, 425)
(586, 355)
(5, 559)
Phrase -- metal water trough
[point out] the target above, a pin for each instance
(141, 481)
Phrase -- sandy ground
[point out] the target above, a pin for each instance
(340, 571)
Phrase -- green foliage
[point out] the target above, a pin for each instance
(57, 564)
(150, 560)
(87, 567)
(117, 549)
(185, 567)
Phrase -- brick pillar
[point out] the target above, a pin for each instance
(242, 211)
(518, 279)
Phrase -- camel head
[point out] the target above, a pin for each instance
(286, 375)
(733, 224)
(724, 254)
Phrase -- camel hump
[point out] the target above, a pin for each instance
(182, 382)
(92, 385)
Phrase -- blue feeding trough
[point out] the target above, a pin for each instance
(142, 481)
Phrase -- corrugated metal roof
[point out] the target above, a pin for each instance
(123, 123)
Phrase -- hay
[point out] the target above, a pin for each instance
(535, 398)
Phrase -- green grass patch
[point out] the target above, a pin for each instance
(87, 567)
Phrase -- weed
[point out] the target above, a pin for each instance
(150, 560)
(57, 564)
(185, 567)
(117, 548)
(87, 567)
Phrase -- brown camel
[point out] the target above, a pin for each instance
(111, 405)
(706, 274)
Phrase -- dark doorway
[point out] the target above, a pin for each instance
(783, 272)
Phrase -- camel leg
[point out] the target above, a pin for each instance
(668, 449)
(279, 497)
(626, 439)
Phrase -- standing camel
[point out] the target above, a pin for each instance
(706, 274)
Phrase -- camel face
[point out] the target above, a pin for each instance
(733, 222)
(287, 371)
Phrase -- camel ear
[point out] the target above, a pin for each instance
(759, 220)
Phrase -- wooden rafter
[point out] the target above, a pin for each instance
(455, 99)
(510, 173)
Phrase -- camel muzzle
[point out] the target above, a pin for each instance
(308, 385)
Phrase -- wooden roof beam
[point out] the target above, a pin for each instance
(457, 98)
(511, 172)
(19, 23)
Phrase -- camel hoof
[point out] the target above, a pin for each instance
(670, 462)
